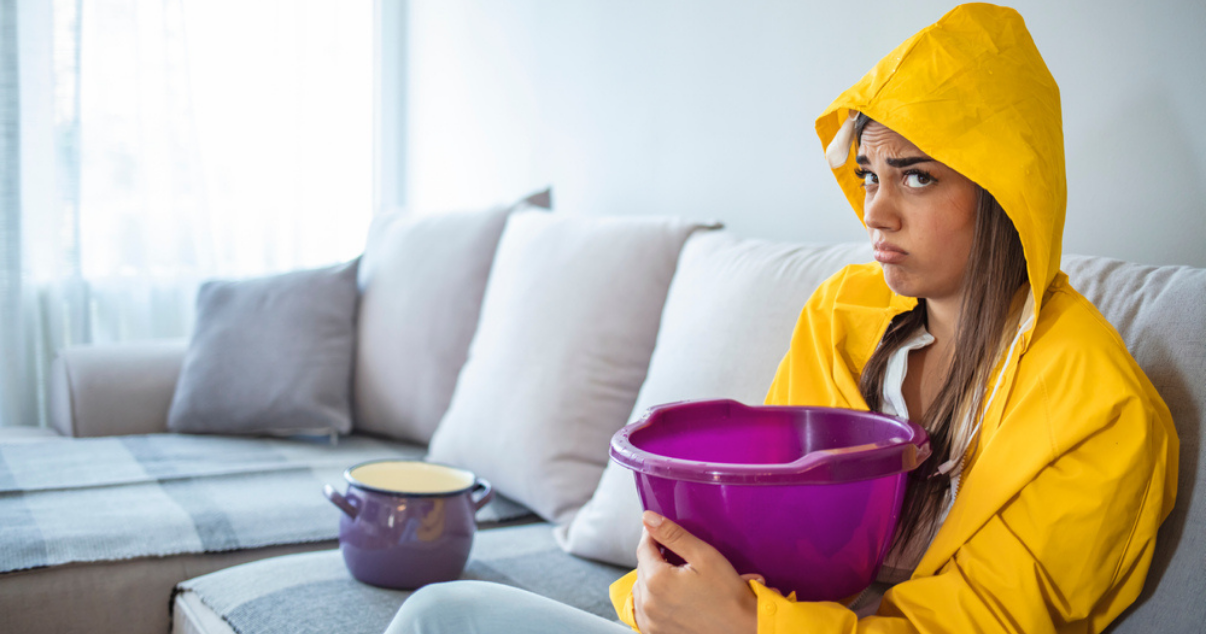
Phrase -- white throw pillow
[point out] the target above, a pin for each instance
(728, 321)
(568, 325)
(422, 281)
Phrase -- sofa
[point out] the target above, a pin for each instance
(549, 332)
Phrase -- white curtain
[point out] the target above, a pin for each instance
(12, 357)
(191, 139)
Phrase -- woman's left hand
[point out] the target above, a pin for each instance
(704, 595)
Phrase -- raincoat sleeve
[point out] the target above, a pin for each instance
(621, 599)
(1072, 545)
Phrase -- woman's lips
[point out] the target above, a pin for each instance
(889, 254)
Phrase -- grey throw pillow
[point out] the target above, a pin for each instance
(271, 355)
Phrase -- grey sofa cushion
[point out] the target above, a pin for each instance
(1161, 314)
(270, 355)
(313, 592)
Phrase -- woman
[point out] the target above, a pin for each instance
(1054, 458)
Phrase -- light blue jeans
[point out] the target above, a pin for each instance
(481, 607)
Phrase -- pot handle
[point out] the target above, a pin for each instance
(340, 501)
(481, 485)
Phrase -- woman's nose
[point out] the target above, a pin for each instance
(880, 211)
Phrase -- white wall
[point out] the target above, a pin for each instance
(705, 109)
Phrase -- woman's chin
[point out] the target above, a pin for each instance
(899, 283)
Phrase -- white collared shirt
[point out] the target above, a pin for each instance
(899, 564)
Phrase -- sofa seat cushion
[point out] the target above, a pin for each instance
(105, 499)
(313, 592)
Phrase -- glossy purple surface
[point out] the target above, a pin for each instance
(807, 497)
(406, 541)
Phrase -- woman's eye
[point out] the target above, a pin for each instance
(918, 179)
(869, 178)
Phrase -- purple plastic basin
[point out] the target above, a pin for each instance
(807, 497)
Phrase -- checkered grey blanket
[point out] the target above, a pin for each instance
(313, 592)
(102, 499)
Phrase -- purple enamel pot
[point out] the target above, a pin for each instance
(808, 497)
(406, 523)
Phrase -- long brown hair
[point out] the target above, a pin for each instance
(998, 267)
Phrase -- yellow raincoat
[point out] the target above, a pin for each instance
(1054, 523)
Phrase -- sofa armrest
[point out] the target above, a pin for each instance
(111, 390)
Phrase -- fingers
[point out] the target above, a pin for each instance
(705, 595)
(692, 549)
(649, 558)
(753, 576)
(651, 568)
(638, 602)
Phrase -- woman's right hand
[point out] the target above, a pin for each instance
(702, 596)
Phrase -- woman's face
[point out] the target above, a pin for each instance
(920, 214)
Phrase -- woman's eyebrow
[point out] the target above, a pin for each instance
(896, 162)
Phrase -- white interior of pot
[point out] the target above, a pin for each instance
(404, 476)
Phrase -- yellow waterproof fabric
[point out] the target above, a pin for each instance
(1055, 522)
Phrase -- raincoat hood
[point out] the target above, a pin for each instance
(971, 91)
